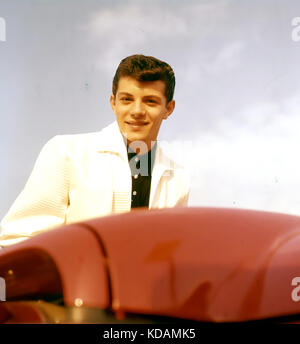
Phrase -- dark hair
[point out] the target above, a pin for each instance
(146, 68)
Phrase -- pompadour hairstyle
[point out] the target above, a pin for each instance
(146, 68)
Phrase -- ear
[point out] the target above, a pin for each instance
(169, 109)
(112, 101)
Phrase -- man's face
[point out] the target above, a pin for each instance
(140, 108)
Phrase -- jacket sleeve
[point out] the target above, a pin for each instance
(44, 200)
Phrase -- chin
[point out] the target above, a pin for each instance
(136, 138)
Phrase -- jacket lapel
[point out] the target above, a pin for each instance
(163, 167)
(110, 141)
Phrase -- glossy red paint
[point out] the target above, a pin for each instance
(68, 260)
(206, 264)
(21, 312)
(203, 264)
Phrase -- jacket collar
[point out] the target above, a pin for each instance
(110, 140)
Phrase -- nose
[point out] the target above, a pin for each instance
(137, 110)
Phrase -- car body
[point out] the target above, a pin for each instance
(174, 264)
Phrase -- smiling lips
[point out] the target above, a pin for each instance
(136, 125)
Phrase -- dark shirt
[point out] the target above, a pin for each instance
(141, 174)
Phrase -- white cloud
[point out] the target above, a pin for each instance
(227, 58)
(137, 26)
(127, 28)
(253, 165)
(136, 22)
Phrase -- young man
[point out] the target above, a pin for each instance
(82, 176)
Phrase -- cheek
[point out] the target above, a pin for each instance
(157, 118)
(120, 111)
(155, 114)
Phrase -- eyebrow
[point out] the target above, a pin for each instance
(124, 94)
(120, 94)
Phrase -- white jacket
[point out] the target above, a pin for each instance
(83, 176)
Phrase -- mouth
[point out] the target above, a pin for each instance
(137, 125)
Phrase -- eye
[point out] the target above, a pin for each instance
(125, 99)
(151, 101)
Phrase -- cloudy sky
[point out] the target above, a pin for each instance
(236, 124)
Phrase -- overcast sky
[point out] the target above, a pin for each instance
(236, 124)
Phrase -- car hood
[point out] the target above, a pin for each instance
(205, 264)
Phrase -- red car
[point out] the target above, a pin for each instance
(194, 264)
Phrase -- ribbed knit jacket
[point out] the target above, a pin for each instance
(83, 176)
